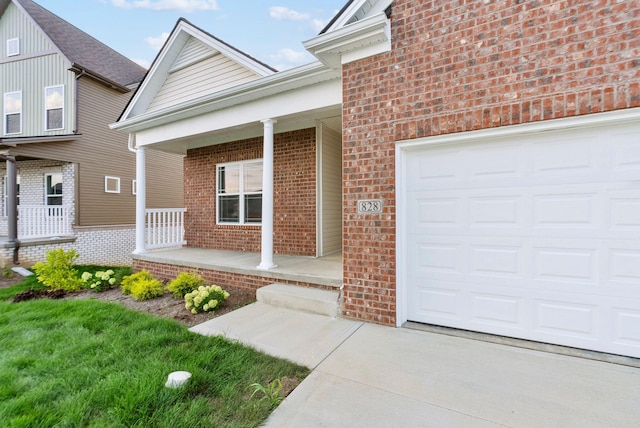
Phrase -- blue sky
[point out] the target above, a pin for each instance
(269, 30)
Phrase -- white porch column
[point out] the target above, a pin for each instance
(266, 262)
(141, 200)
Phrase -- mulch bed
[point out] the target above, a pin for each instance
(166, 306)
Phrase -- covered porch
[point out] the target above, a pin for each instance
(240, 269)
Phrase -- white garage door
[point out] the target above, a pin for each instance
(534, 237)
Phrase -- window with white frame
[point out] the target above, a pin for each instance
(54, 107)
(53, 188)
(111, 184)
(13, 47)
(239, 192)
(13, 112)
(5, 198)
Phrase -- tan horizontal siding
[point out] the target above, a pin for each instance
(100, 152)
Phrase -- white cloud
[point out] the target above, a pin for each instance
(318, 24)
(156, 43)
(287, 58)
(180, 5)
(145, 63)
(284, 13)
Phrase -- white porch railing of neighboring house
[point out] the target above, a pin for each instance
(164, 227)
(44, 221)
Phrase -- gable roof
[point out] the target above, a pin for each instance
(171, 58)
(356, 10)
(85, 53)
(362, 28)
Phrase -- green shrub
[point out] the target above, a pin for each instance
(142, 286)
(147, 289)
(185, 283)
(129, 280)
(205, 298)
(58, 272)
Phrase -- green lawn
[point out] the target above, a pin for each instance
(81, 363)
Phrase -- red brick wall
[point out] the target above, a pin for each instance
(167, 272)
(294, 195)
(457, 66)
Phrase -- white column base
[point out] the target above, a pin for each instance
(266, 266)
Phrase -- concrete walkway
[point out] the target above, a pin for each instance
(366, 375)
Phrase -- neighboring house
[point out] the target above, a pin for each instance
(489, 156)
(60, 88)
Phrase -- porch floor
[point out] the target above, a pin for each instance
(323, 271)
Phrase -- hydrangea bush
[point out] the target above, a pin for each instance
(205, 298)
(99, 281)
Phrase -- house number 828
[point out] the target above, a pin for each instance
(370, 206)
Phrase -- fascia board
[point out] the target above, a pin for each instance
(282, 105)
(172, 48)
(261, 88)
(158, 70)
(362, 35)
(228, 51)
(346, 15)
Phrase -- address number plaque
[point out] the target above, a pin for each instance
(369, 206)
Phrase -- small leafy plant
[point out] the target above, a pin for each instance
(185, 283)
(205, 298)
(270, 392)
(58, 272)
(99, 281)
(142, 286)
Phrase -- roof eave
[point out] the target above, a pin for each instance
(82, 71)
(352, 42)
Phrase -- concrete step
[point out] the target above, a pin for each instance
(314, 300)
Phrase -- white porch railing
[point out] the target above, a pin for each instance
(44, 221)
(164, 227)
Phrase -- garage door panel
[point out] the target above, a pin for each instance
(564, 156)
(624, 213)
(536, 237)
(566, 264)
(497, 310)
(625, 324)
(439, 303)
(496, 260)
(497, 209)
(497, 161)
(437, 212)
(625, 154)
(567, 210)
(566, 318)
(624, 269)
(434, 170)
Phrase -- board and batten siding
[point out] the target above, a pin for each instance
(15, 24)
(39, 65)
(331, 164)
(101, 152)
(196, 73)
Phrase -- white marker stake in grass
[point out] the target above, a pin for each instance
(177, 379)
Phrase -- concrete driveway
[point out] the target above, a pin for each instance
(366, 375)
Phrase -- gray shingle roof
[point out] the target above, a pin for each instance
(84, 51)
